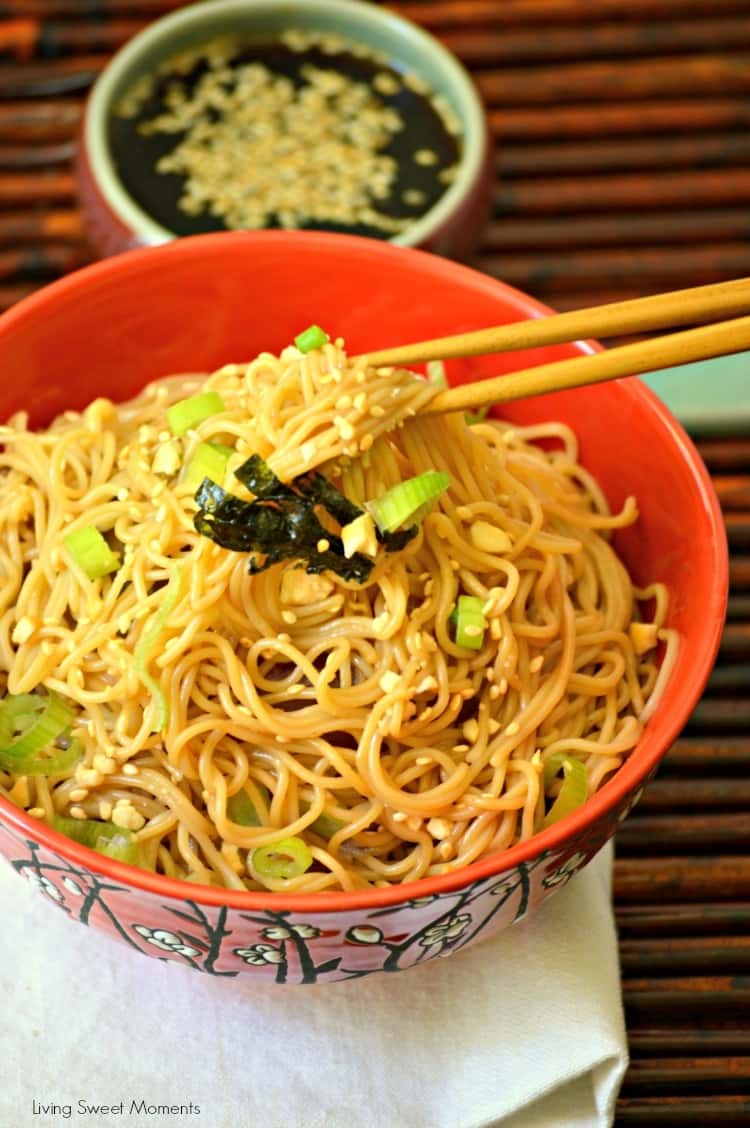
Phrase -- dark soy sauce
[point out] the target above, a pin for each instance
(158, 193)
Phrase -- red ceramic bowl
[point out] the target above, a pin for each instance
(197, 303)
(116, 222)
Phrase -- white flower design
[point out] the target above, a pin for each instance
(167, 941)
(260, 954)
(282, 932)
(44, 885)
(562, 875)
(446, 931)
(72, 886)
(502, 889)
(364, 934)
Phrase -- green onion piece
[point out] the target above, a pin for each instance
(193, 410)
(209, 461)
(57, 761)
(106, 838)
(312, 338)
(145, 647)
(436, 373)
(288, 858)
(326, 825)
(29, 723)
(473, 417)
(242, 810)
(470, 622)
(574, 790)
(91, 552)
(407, 503)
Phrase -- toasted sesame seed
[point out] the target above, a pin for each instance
(36, 812)
(130, 769)
(87, 777)
(423, 761)
(344, 427)
(390, 681)
(399, 816)
(289, 617)
(536, 663)
(439, 828)
(77, 813)
(512, 728)
(323, 545)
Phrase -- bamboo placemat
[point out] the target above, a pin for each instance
(623, 161)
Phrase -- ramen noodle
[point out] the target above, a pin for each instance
(225, 659)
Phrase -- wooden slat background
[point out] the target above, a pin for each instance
(623, 168)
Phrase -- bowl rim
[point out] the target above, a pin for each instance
(475, 134)
(633, 773)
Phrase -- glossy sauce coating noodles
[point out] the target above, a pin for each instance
(344, 715)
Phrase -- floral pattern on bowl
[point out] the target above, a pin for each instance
(287, 947)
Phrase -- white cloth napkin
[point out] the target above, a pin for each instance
(521, 1031)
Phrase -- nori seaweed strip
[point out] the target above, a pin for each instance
(282, 525)
(258, 477)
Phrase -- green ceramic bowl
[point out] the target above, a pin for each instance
(115, 222)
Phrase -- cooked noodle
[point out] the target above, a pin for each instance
(314, 694)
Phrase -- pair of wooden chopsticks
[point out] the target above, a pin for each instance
(705, 306)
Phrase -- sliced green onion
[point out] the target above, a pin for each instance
(145, 647)
(407, 503)
(29, 723)
(326, 825)
(209, 461)
(574, 790)
(311, 338)
(106, 838)
(91, 552)
(60, 761)
(288, 858)
(436, 373)
(242, 810)
(470, 622)
(190, 412)
(473, 417)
